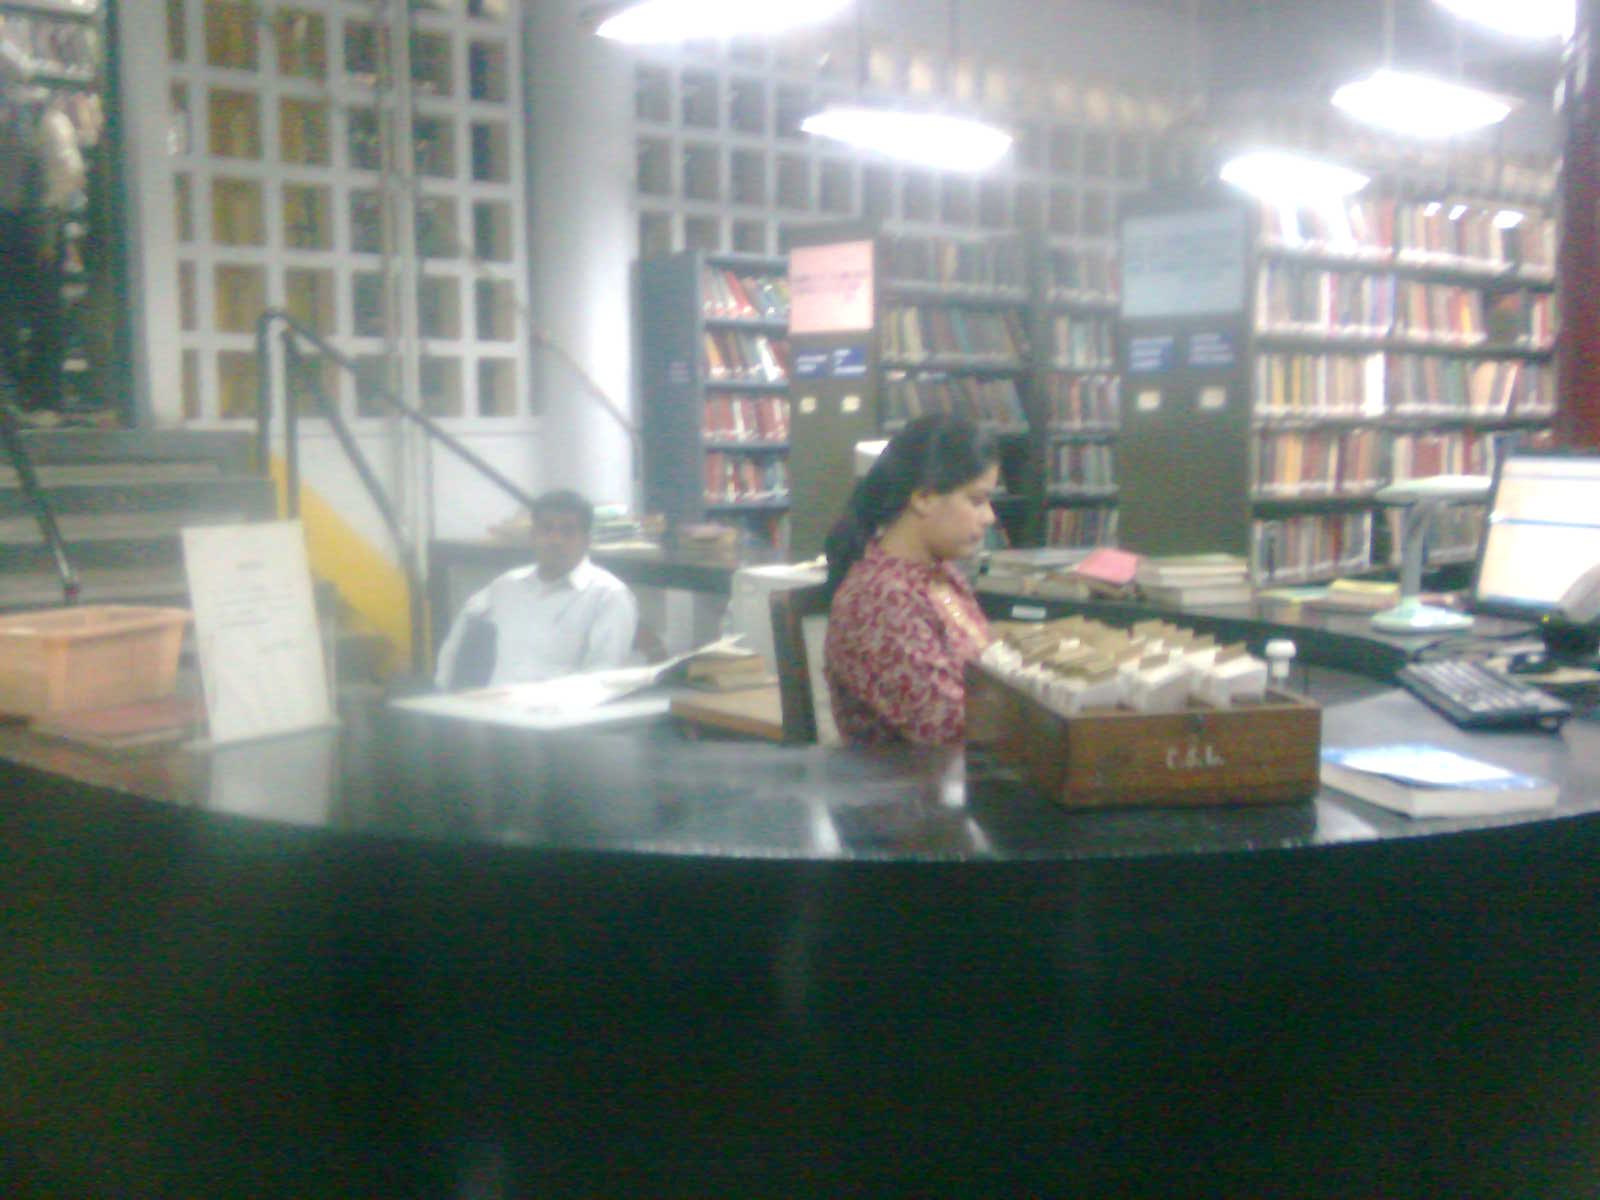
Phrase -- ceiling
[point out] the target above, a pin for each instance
(1287, 48)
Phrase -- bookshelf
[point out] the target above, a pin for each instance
(964, 324)
(715, 375)
(65, 318)
(1392, 337)
(722, 166)
(955, 333)
(1077, 389)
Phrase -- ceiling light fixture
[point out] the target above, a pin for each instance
(1531, 19)
(1507, 218)
(941, 141)
(1419, 105)
(650, 22)
(1283, 178)
(929, 139)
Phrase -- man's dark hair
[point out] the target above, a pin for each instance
(562, 501)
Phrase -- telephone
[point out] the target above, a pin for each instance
(1571, 631)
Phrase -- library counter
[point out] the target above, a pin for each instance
(412, 956)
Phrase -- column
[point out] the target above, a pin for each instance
(580, 220)
(1578, 264)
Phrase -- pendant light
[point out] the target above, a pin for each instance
(1417, 105)
(1532, 19)
(1281, 177)
(649, 22)
(925, 138)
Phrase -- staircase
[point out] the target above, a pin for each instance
(121, 499)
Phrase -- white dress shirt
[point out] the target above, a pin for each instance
(584, 621)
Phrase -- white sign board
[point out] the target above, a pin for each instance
(1183, 264)
(255, 626)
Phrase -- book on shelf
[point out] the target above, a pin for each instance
(1320, 463)
(1083, 401)
(1295, 298)
(977, 265)
(735, 355)
(917, 332)
(745, 478)
(992, 402)
(1320, 385)
(1312, 546)
(750, 297)
(1081, 342)
(1082, 274)
(1081, 527)
(1422, 780)
(1088, 466)
(753, 419)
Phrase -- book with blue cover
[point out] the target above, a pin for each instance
(1421, 780)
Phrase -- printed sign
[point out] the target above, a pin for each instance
(1183, 264)
(1211, 350)
(811, 364)
(256, 630)
(850, 362)
(1147, 355)
(830, 288)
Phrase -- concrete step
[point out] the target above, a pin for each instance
(138, 489)
(101, 585)
(83, 528)
(227, 452)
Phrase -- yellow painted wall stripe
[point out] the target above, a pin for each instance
(365, 579)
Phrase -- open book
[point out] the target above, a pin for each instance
(590, 698)
(1429, 781)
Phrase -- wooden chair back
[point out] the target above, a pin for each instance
(790, 608)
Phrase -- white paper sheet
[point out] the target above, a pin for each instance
(255, 623)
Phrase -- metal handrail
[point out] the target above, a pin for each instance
(11, 436)
(295, 332)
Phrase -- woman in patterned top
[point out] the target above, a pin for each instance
(904, 622)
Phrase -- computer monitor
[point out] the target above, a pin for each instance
(1543, 531)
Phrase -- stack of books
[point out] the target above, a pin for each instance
(1194, 580)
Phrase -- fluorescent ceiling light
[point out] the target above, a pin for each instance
(1520, 18)
(654, 21)
(1284, 178)
(1419, 105)
(936, 140)
(1457, 212)
(1507, 218)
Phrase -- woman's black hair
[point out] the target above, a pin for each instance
(935, 453)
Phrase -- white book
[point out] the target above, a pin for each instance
(1421, 780)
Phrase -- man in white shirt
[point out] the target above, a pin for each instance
(557, 617)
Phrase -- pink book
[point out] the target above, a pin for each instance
(1108, 565)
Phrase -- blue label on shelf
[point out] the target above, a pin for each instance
(1211, 350)
(850, 362)
(1147, 355)
(811, 364)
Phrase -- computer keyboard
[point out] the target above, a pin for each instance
(1475, 697)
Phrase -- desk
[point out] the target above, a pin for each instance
(382, 962)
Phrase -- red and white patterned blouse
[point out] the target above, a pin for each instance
(900, 635)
